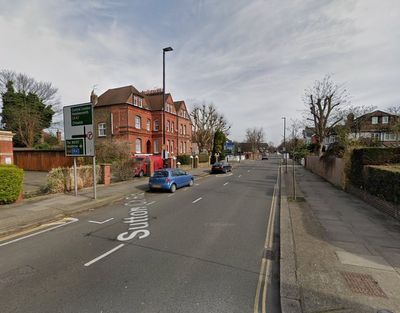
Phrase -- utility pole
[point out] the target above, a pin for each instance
(284, 142)
(163, 107)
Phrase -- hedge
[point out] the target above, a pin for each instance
(10, 183)
(383, 182)
(184, 159)
(370, 156)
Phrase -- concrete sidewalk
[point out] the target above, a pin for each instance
(338, 254)
(39, 210)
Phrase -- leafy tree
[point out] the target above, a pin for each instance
(26, 115)
(218, 146)
(325, 101)
(206, 121)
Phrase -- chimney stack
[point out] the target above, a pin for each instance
(93, 98)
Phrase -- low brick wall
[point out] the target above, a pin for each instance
(331, 170)
(384, 206)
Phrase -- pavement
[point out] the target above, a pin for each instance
(33, 182)
(35, 211)
(338, 253)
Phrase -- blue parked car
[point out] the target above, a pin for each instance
(170, 179)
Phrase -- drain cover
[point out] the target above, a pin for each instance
(363, 284)
(268, 254)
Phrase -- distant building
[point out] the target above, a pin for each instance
(309, 135)
(127, 114)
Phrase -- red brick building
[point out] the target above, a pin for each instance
(127, 114)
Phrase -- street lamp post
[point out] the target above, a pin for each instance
(284, 142)
(163, 107)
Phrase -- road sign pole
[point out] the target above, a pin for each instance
(94, 178)
(75, 179)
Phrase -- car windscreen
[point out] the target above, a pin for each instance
(160, 174)
(217, 164)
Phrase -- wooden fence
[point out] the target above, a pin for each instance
(41, 160)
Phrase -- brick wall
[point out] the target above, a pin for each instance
(6, 147)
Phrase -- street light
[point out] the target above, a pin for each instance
(163, 113)
(284, 142)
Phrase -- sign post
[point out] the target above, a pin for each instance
(79, 139)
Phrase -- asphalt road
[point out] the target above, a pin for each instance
(201, 252)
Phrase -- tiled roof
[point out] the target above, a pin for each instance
(118, 96)
(155, 101)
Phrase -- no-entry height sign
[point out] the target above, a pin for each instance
(78, 130)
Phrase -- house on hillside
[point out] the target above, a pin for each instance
(127, 114)
(377, 125)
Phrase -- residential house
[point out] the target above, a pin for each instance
(377, 125)
(126, 114)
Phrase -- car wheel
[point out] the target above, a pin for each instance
(141, 174)
(172, 189)
(191, 183)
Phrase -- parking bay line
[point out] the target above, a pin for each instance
(150, 203)
(104, 255)
(226, 183)
(197, 200)
(96, 222)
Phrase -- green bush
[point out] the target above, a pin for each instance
(383, 182)
(369, 156)
(184, 159)
(10, 183)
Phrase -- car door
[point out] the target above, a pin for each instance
(176, 174)
(185, 178)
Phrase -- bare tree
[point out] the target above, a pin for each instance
(394, 109)
(255, 137)
(25, 84)
(206, 121)
(325, 102)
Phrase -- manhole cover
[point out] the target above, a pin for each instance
(363, 284)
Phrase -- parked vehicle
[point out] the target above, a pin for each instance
(221, 167)
(170, 179)
(140, 164)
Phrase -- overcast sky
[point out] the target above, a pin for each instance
(251, 58)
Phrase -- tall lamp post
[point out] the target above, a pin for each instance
(163, 107)
(284, 142)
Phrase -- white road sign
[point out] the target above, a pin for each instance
(78, 130)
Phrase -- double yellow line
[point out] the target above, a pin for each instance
(264, 277)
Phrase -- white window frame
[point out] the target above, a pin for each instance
(184, 129)
(172, 127)
(168, 126)
(148, 125)
(156, 126)
(385, 119)
(138, 143)
(374, 120)
(138, 122)
(172, 146)
(156, 146)
(102, 129)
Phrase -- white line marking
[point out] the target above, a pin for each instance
(240, 175)
(105, 254)
(171, 195)
(248, 171)
(71, 220)
(226, 183)
(197, 184)
(197, 200)
(96, 222)
(150, 203)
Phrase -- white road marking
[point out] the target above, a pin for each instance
(248, 171)
(171, 195)
(96, 222)
(104, 254)
(226, 183)
(197, 200)
(150, 203)
(69, 219)
(197, 184)
(240, 175)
